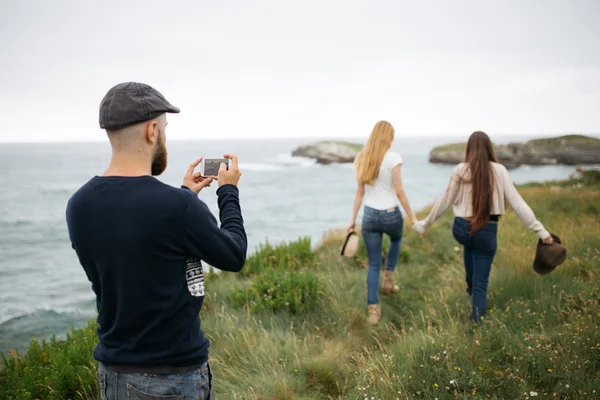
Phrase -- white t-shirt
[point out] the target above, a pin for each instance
(382, 194)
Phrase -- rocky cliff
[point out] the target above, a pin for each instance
(329, 152)
(568, 150)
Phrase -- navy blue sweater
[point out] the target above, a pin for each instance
(141, 243)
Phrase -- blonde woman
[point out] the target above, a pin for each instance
(380, 186)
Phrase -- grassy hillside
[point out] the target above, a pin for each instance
(553, 143)
(570, 140)
(353, 146)
(293, 326)
(461, 147)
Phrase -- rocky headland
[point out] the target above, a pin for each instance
(329, 152)
(568, 150)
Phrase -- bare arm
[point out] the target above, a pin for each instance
(358, 199)
(397, 179)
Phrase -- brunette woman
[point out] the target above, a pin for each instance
(478, 191)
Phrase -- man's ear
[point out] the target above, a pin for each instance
(151, 132)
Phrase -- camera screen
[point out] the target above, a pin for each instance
(211, 166)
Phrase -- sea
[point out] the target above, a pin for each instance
(43, 289)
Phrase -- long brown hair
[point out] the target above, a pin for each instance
(479, 154)
(370, 158)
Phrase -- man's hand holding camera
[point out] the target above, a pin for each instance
(232, 175)
(196, 182)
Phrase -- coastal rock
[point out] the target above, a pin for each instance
(568, 150)
(329, 152)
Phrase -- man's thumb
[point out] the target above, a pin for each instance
(222, 167)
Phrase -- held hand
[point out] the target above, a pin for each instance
(232, 175)
(548, 240)
(419, 228)
(194, 181)
(351, 227)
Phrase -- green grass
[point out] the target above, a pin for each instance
(541, 333)
(568, 140)
(52, 369)
(539, 144)
(294, 255)
(587, 178)
(353, 146)
(451, 147)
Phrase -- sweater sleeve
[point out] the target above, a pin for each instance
(521, 208)
(222, 247)
(442, 204)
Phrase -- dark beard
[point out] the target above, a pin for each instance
(159, 158)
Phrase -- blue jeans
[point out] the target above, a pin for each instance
(479, 251)
(195, 385)
(375, 224)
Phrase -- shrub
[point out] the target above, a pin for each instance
(52, 370)
(589, 175)
(275, 290)
(286, 256)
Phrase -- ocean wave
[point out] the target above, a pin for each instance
(289, 160)
(79, 302)
(15, 316)
(59, 188)
(259, 167)
(281, 161)
(18, 223)
(346, 166)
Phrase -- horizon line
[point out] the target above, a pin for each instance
(340, 138)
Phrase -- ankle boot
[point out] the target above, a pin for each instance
(374, 314)
(388, 284)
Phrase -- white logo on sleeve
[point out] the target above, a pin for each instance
(194, 276)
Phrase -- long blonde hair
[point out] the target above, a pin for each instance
(370, 158)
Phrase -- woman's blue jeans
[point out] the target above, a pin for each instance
(376, 223)
(479, 251)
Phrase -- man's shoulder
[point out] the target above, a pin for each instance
(83, 192)
(168, 194)
(151, 189)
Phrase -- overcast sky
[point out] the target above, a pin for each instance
(258, 69)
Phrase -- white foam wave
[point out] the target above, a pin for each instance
(281, 161)
(288, 159)
(78, 302)
(16, 314)
(259, 167)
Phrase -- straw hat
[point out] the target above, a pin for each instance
(549, 256)
(350, 246)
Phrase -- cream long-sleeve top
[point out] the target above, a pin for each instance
(459, 194)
